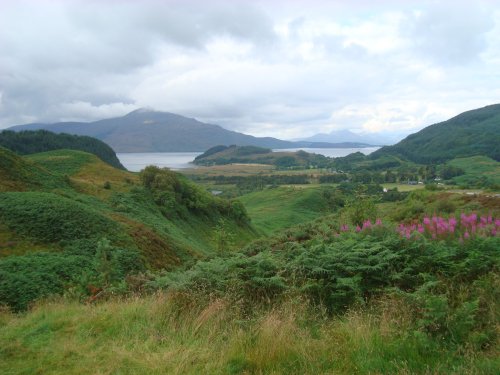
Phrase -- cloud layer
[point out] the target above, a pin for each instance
(279, 68)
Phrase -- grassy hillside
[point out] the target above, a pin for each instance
(479, 171)
(282, 207)
(471, 133)
(31, 142)
(60, 207)
(20, 174)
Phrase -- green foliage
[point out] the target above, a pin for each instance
(449, 171)
(223, 237)
(480, 172)
(174, 193)
(339, 272)
(24, 279)
(361, 207)
(285, 161)
(31, 142)
(18, 174)
(48, 217)
(64, 162)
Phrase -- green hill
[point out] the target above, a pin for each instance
(31, 142)
(68, 218)
(19, 174)
(221, 155)
(471, 133)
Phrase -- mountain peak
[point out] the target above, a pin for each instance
(142, 110)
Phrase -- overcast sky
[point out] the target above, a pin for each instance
(273, 68)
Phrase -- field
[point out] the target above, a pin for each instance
(278, 208)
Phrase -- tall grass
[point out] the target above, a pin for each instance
(175, 334)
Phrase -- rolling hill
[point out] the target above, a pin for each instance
(475, 132)
(65, 215)
(31, 142)
(151, 131)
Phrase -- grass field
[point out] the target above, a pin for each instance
(282, 207)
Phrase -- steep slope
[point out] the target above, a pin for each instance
(471, 133)
(31, 142)
(68, 218)
(151, 131)
(19, 174)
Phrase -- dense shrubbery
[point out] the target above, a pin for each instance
(48, 217)
(339, 271)
(174, 194)
(27, 278)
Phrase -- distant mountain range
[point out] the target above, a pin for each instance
(152, 131)
(475, 132)
(379, 139)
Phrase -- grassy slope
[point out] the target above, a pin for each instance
(471, 133)
(31, 142)
(140, 220)
(477, 167)
(274, 209)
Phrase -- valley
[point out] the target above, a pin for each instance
(355, 264)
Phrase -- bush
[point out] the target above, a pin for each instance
(49, 217)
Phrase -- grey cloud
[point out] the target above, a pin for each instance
(450, 34)
(222, 62)
(91, 51)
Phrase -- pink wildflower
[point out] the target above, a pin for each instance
(367, 224)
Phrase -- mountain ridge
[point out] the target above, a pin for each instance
(145, 130)
(470, 133)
